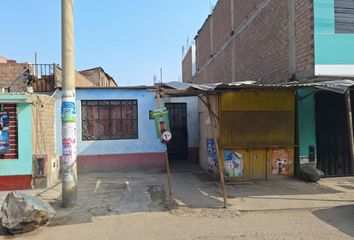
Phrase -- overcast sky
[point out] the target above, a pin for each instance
(130, 39)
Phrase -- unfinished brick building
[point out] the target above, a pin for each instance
(274, 41)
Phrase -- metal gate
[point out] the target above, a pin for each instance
(332, 134)
(178, 146)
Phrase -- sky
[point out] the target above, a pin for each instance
(130, 39)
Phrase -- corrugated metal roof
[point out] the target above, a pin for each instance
(338, 86)
(119, 87)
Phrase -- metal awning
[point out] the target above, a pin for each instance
(190, 89)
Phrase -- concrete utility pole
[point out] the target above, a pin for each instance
(69, 178)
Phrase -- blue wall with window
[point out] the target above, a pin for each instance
(146, 141)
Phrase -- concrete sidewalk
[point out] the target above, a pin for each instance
(102, 194)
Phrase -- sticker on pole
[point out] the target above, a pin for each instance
(68, 110)
(166, 136)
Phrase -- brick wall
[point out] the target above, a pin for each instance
(304, 29)
(9, 70)
(203, 44)
(43, 131)
(93, 75)
(221, 67)
(187, 67)
(242, 9)
(260, 48)
(98, 77)
(221, 23)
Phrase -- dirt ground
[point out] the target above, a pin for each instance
(134, 205)
(204, 225)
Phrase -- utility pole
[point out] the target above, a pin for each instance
(69, 144)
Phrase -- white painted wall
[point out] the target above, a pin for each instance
(192, 118)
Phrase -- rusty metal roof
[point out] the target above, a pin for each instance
(185, 89)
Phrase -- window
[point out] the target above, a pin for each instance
(9, 147)
(109, 120)
(344, 16)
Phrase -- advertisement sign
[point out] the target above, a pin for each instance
(233, 162)
(68, 110)
(280, 161)
(211, 154)
(161, 122)
(4, 133)
(69, 144)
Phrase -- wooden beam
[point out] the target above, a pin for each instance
(215, 137)
(209, 109)
(167, 163)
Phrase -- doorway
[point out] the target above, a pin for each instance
(332, 134)
(177, 148)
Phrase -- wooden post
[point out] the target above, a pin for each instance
(169, 178)
(168, 172)
(350, 125)
(221, 170)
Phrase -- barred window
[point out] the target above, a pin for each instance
(109, 120)
(344, 16)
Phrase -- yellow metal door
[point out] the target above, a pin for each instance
(258, 164)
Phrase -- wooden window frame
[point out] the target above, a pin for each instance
(114, 127)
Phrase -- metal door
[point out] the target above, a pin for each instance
(178, 146)
(332, 134)
(258, 169)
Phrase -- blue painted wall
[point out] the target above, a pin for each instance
(330, 48)
(22, 165)
(306, 120)
(147, 141)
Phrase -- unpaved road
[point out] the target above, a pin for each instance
(131, 206)
(204, 224)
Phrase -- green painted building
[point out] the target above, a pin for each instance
(16, 163)
(334, 37)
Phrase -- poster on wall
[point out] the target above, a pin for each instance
(280, 161)
(4, 133)
(211, 154)
(233, 164)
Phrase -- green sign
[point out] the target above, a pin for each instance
(162, 123)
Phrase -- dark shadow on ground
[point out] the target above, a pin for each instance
(3, 231)
(342, 218)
